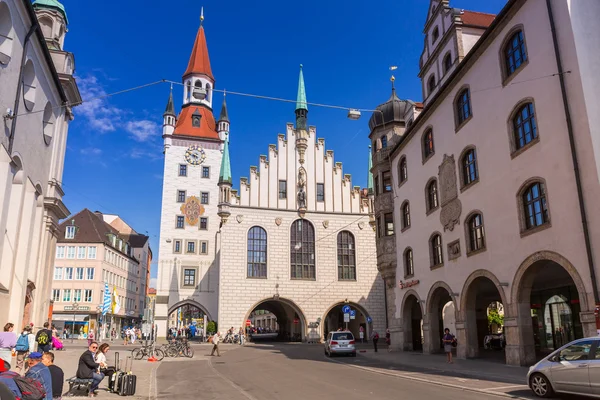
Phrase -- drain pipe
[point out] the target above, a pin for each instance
(584, 223)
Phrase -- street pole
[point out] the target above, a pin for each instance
(75, 308)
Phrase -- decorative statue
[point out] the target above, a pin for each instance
(301, 197)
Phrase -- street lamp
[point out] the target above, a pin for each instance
(75, 308)
(100, 322)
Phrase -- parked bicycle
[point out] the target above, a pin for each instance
(178, 348)
(147, 350)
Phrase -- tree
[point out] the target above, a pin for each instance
(211, 328)
(494, 317)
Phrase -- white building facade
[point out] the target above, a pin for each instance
(38, 88)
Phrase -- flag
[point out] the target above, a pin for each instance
(116, 305)
(106, 300)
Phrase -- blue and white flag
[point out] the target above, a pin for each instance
(106, 300)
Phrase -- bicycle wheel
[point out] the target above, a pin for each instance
(159, 354)
(170, 351)
(188, 352)
(138, 353)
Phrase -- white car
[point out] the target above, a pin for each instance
(341, 342)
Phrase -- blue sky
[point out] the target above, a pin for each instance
(114, 159)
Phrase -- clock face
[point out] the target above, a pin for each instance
(195, 155)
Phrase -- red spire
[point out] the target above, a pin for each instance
(199, 60)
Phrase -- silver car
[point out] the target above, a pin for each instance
(574, 368)
(341, 342)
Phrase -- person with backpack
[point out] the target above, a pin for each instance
(39, 372)
(8, 341)
(25, 345)
(44, 339)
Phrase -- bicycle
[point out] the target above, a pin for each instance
(178, 348)
(147, 350)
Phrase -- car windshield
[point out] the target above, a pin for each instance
(343, 336)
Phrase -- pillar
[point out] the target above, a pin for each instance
(461, 339)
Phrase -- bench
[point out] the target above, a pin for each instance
(79, 386)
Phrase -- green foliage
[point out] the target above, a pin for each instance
(495, 318)
(211, 327)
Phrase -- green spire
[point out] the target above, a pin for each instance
(369, 174)
(301, 99)
(225, 174)
(54, 4)
(224, 116)
(170, 109)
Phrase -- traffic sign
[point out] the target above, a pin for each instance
(346, 309)
(352, 314)
(346, 317)
(248, 322)
(369, 320)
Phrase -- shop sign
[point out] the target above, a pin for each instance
(80, 308)
(407, 284)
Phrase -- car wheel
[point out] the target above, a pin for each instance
(540, 385)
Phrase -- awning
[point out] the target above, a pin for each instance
(67, 317)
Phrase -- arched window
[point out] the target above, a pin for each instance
(46, 25)
(435, 34)
(302, 246)
(409, 266)
(29, 85)
(524, 126)
(48, 123)
(431, 85)
(428, 147)
(189, 91)
(257, 252)
(6, 34)
(208, 92)
(432, 195)
(515, 53)
(435, 246)
(463, 106)
(535, 207)
(402, 170)
(469, 167)
(346, 256)
(476, 233)
(384, 142)
(405, 215)
(447, 62)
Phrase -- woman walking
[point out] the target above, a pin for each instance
(25, 345)
(388, 340)
(8, 341)
(448, 339)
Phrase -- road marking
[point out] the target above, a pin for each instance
(236, 387)
(153, 384)
(508, 387)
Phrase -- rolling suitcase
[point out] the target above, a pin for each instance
(112, 380)
(129, 381)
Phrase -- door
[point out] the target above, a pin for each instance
(571, 371)
(594, 371)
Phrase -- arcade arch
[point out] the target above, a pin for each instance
(333, 319)
(290, 319)
(441, 310)
(185, 313)
(412, 322)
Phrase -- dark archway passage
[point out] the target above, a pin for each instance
(185, 315)
(289, 320)
(412, 324)
(441, 310)
(334, 320)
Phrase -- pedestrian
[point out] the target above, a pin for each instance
(361, 334)
(44, 339)
(90, 337)
(56, 375)
(66, 333)
(25, 345)
(125, 336)
(449, 340)
(40, 372)
(375, 338)
(215, 341)
(8, 341)
(242, 336)
(113, 335)
(388, 340)
(88, 368)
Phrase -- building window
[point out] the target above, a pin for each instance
(282, 190)
(60, 251)
(346, 256)
(302, 246)
(535, 205)
(58, 271)
(66, 295)
(56, 295)
(376, 181)
(402, 170)
(476, 239)
(182, 170)
(191, 247)
(196, 121)
(89, 274)
(71, 252)
(204, 198)
(203, 247)
(384, 142)
(70, 232)
(81, 252)
(203, 223)
(387, 181)
(189, 277)
(409, 266)
(77, 295)
(181, 196)
(428, 148)
(257, 252)
(463, 106)
(435, 35)
(176, 246)
(320, 192)
(525, 126)
(447, 62)
(432, 195)
(431, 85)
(469, 167)
(206, 172)
(88, 295)
(515, 53)
(405, 215)
(92, 252)
(79, 273)
(68, 273)
(388, 221)
(180, 222)
(435, 246)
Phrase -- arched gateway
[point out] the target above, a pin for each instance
(290, 318)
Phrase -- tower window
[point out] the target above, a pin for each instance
(206, 172)
(320, 192)
(196, 121)
(282, 190)
(182, 170)
(435, 35)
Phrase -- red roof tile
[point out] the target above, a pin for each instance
(478, 19)
(199, 61)
(207, 127)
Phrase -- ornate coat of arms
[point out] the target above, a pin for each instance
(192, 209)
(451, 205)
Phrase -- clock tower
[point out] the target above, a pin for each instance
(188, 272)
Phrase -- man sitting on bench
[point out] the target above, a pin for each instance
(88, 368)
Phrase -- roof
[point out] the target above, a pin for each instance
(225, 173)
(170, 109)
(54, 4)
(199, 61)
(138, 241)
(207, 127)
(301, 99)
(477, 19)
(224, 116)
(392, 110)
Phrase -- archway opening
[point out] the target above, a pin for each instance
(283, 318)
(356, 321)
(484, 299)
(441, 316)
(190, 321)
(413, 324)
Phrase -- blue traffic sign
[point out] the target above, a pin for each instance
(346, 309)
(369, 320)
(353, 313)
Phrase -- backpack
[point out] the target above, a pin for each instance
(23, 342)
(43, 338)
(31, 389)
